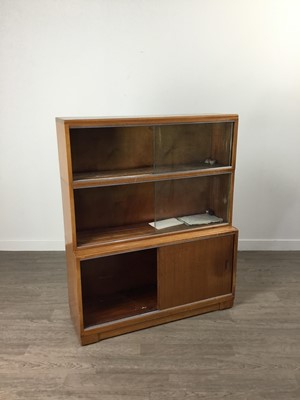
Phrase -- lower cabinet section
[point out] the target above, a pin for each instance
(130, 291)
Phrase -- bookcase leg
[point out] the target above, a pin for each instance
(89, 339)
(226, 304)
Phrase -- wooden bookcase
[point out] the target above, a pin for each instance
(147, 212)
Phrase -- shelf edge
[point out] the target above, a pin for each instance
(123, 180)
(149, 242)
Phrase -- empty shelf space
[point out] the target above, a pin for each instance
(118, 286)
(120, 305)
(117, 234)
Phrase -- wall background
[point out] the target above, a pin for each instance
(132, 57)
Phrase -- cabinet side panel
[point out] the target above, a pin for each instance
(64, 164)
(234, 262)
(74, 285)
(66, 182)
(195, 271)
(74, 290)
(233, 161)
(68, 211)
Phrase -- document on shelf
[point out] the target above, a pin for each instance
(165, 223)
(200, 219)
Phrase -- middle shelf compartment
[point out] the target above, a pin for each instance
(124, 212)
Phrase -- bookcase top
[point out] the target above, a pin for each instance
(145, 120)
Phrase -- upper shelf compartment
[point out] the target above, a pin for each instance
(193, 146)
(103, 156)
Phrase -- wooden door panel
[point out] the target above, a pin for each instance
(194, 271)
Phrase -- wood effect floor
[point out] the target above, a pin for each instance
(250, 352)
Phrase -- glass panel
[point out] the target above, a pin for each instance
(110, 213)
(191, 203)
(192, 146)
(115, 151)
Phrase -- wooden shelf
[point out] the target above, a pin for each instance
(96, 237)
(147, 174)
(100, 249)
(106, 178)
(120, 305)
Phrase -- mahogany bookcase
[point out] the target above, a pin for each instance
(148, 219)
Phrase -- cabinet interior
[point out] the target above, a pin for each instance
(118, 286)
(188, 146)
(111, 151)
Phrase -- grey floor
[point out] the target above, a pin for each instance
(251, 351)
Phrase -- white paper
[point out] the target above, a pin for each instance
(165, 223)
(200, 219)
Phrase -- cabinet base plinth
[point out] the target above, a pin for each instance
(157, 318)
(226, 304)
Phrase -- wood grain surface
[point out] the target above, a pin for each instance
(249, 352)
(146, 120)
(111, 149)
(195, 271)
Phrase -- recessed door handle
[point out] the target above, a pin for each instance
(227, 264)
